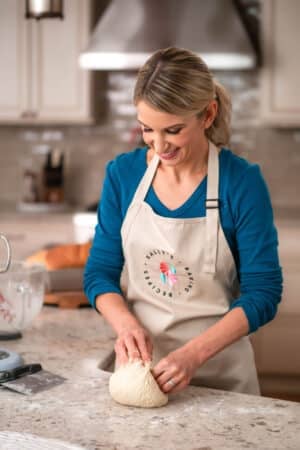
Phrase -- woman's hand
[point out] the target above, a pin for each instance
(174, 372)
(133, 342)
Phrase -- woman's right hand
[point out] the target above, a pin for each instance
(133, 342)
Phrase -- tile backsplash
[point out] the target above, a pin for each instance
(89, 148)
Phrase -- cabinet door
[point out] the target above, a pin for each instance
(14, 57)
(60, 89)
(281, 65)
(40, 77)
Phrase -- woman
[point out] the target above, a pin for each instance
(191, 226)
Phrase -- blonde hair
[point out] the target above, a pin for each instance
(177, 81)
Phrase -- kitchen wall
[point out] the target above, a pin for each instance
(88, 148)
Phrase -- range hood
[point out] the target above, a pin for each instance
(129, 31)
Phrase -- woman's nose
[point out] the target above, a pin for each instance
(159, 144)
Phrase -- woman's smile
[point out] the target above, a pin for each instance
(168, 155)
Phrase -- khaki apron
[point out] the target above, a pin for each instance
(179, 279)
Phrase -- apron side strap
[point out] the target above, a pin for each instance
(212, 210)
(212, 232)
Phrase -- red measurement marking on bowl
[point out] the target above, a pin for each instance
(4, 310)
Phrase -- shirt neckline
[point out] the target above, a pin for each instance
(161, 208)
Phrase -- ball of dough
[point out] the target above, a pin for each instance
(134, 385)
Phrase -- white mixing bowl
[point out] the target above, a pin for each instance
(22, 290)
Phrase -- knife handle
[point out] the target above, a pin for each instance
(27, 369)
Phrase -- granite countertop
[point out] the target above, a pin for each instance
(80, 411)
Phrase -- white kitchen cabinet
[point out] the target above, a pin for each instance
(40, 78)
(281, 63)
(14, 60)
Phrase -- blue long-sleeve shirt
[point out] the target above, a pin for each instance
(246, 217)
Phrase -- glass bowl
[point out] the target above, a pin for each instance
(22, 290)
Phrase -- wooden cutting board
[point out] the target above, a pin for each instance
(66, 299)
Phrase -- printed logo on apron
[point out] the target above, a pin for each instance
(166, 276)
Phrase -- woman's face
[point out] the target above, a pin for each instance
(175, 139)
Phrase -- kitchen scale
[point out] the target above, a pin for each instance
(24, 378)
(9, 360)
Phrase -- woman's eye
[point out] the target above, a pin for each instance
(174, 131)
(149, 130)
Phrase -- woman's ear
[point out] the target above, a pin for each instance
(211, 112)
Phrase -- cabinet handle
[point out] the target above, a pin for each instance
(29, 114)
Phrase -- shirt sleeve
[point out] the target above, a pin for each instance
(105, 262)
(257, 247)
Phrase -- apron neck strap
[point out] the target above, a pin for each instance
(146, 181)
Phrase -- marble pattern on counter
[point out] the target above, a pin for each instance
(71, 343)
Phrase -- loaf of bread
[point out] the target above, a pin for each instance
(61, 256)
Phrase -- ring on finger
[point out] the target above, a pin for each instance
(171, 382)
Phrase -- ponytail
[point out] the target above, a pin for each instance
(219, 131)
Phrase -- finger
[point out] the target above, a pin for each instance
(121, 354)
(149, 347)
(132, 349)
(179, 387)
(143, 349)
(168, 375)
(160, 368)
(171, 384)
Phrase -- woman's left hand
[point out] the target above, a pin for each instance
(174, 372)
